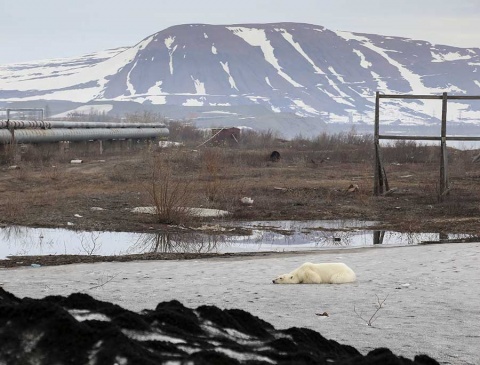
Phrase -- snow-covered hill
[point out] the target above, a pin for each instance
(297, 78)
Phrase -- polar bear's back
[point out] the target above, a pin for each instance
(327, 273)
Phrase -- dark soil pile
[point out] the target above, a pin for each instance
(81, 330)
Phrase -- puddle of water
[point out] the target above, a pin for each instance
(255, 237)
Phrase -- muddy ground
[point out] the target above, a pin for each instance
(46, 190)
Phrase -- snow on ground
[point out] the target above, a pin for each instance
(258, 38)
(130, 86)
(220, 112)
(95, 74)
(199, 86)
(450, 56)
(168, 43)
(431, 293)
(289, 38)
(156, 89)
(86, 109)
(230, 78)
(413, 79)
(193, 102)
(267, 80)
(363, 61)
(307, 108)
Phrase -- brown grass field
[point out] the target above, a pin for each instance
(309, 181)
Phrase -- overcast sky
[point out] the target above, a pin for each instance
(42, 29)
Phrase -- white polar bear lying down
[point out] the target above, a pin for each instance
(326, 273)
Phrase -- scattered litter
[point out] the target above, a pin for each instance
(324, 314)
(279, 188)
(216, 228)
(96, 209)
(406, 285)
(70, 224)
(204, 212)
(35, 265)
(196, 212)
(13, 167)
(164, 144)
(78, 216)
(353, 188)
(390, 192)
(246, 200)
(144, 210)
(406, 176)
(76, 161)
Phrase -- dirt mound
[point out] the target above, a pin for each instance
(81, 330)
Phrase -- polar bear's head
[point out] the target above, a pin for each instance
(285, 279)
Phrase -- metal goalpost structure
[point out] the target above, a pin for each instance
(380, 184)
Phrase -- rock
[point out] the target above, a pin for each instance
(79, 329)
(353, 188)
(246, 200)
(96, 209)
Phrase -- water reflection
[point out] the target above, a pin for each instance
(167, 242)
(388, 237)
(229, 238)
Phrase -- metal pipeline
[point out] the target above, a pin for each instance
(59, 134)
(24, 124)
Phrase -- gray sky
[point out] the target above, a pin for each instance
(35, 30)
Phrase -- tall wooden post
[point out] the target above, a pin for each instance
(377, 173)
(443, 151)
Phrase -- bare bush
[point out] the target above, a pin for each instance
(379, 305)
(265, 139)
(90, 245)
(220, 176)
(171, 197)
(184, 132)
(13, 207)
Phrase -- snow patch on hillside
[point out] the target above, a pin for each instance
(199, 86)
(130, 86)
(267, 80)
(193, 102)
(450, 56)
(304, 107)
(230, 78)
(258, 38)
(156, 89)
(363, 61)
(289, 38)
(382, 85)
(86, 109)
(168, 43)
(414, 80)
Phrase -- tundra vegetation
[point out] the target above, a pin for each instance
(40, 187)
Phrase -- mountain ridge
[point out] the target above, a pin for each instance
(303, 71)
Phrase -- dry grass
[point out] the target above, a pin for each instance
(310, 181)
(171, 197)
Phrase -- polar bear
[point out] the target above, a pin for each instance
(325, 273)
